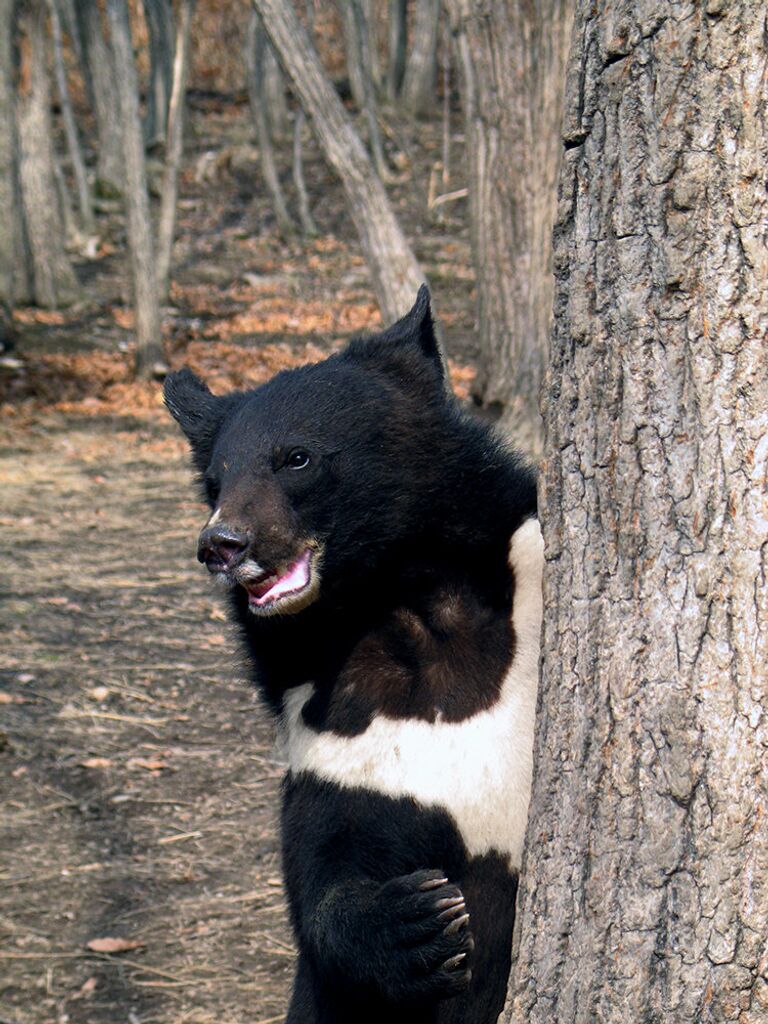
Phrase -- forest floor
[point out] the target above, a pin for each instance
(138, 780)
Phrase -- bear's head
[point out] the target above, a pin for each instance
(326, 473)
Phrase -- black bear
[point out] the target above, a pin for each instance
(383, 560)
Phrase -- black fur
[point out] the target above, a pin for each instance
(411, 504)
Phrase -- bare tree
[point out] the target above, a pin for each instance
(418, 89)
(397, 46)
(10, 223)
(645, 880)
(308, 226)
(70, 125)
(511, 61)
(159, 18)
(395, 272)
(149, 351)
(99, 71)
(174, 148)
(54, 281)
(257, 47)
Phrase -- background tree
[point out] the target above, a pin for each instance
(159, 20)
(149, 351)
(645, 881)
(99, 72)
(394, 269)
(511, 62)
(53, 279)
(418, 86)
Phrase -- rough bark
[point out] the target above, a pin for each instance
(54, 281)
(100, 77)
(418, 90)
(174, 147)
(257, 47)
(70, 125)
(149, 352)
(645, 880)
(511, 62)
(15, 258)
(395, 272)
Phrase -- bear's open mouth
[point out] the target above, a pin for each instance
(287, 589)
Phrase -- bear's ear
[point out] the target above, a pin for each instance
(412, 335)
(197, 411)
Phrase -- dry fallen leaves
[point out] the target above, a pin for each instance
(96, 762)
(113, 945)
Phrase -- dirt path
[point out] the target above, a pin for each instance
(138, 778)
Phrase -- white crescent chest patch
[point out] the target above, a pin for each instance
(478, 770)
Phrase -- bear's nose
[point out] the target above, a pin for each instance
(221, 548)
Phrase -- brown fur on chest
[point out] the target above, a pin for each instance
(444, 657)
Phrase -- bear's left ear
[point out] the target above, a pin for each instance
(412, 336)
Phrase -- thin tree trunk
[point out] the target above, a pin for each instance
(149, 351)
(274, 95)
(15, 254)
(369, 92)
(159, 16)
(645, 880)
(70, 126)
(256, 48)
(308, 226)
(174, 148)
(418, 90)
(511, 61)
(395, 272)
(54, 281)
(100, 77)
(397, 47)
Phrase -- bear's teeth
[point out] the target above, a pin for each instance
(296, 577)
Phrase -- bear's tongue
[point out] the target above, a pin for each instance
(296, 577)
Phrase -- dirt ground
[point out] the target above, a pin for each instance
(138, 778)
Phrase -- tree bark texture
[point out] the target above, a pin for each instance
(149, 352)
(397, 46)
(645, 879)
(54, 281)
(418, 89)
(511, 61)
(100, 76)
(15, 281)
(166, 224)
(396, 274)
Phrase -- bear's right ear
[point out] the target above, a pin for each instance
(197, 411)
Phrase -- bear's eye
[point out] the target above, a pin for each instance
(297, 459)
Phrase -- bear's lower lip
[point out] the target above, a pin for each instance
(270, 589)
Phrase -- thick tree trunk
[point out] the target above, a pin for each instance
(70, 125)
(159, 16)
(16, 285)
(257, 48)
(395, 272)
(645, 879)
(100, 76)
(174, 148)
(149, 352)
(418, 90)
(511, 61)
(54, 281)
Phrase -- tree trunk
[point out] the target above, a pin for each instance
(397, 46)
(159, 16)
(100, 77)
(274, 93)
(174, 148)
(418, 91)
(54, 281)
(149, 352)
(16, 284)
(308, 226)
(511, 62)
(395, 272)
(257, 47)
(645, 880)
(70, 126)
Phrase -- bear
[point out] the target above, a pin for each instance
(382, 557)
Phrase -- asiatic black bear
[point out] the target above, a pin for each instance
(384, 563)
